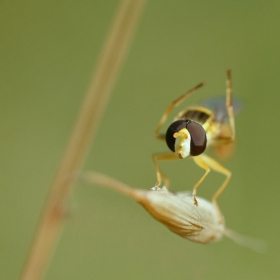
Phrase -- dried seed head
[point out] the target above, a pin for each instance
(200, 224)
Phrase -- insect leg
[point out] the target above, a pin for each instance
(169, 109)
(229, 105)
(231, 138)
(201, 163)
(159, 157)
(211, 163)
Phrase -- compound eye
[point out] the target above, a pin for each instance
(198, 138)
(174, 127)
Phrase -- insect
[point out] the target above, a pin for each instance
(186, 215)
(193, 130)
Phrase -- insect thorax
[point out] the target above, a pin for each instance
(201, 115)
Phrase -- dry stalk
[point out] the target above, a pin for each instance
(52, 217)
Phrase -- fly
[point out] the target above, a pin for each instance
(195, 129)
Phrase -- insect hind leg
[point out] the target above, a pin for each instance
(229, 105)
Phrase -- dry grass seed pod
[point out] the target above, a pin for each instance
(200, 224)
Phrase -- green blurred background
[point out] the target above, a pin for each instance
(48, 52)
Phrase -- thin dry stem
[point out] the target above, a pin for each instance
(52, 218)
(113, 184)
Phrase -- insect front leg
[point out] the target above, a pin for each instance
(169, 109)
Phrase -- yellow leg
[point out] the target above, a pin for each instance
(169, 109)
(208, 163)
(199, 161)
(229, 105)
(159, 157)
(231, 138)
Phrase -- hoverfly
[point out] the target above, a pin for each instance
(193, 130)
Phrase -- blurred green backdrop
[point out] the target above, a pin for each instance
(48, 52)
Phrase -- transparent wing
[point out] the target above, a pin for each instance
(218, 106)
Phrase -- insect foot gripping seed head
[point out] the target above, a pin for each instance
(200, 224)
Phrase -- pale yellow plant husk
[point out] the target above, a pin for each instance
(198, 223)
